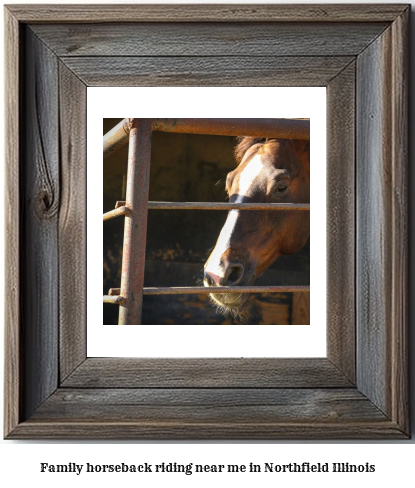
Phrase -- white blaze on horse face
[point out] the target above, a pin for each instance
(246, 180)
(248, 176)
(213, 266)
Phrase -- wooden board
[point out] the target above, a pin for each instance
(382, 248)
(40, 225)
(13, 312)
(247, 40)
(205, 71)
(300, 314)
(206, 13)
(72, 222)
(210, 405)
(341, 233)
(207, 373)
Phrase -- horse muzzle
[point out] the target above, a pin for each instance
(229, 273)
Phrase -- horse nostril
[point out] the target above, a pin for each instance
(233, 275)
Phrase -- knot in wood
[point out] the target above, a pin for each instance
(46, 205)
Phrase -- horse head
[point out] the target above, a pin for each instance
(269, 171)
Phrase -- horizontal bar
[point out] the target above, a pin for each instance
(222, 289)
(117, 137)
(115, 299)
(222, 206)
(204, 290)
(116, 213)
(276, 128)
(114, 291)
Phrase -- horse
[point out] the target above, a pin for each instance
(272, 171)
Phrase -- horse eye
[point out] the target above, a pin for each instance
(280, 188)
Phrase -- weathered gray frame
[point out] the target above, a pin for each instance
(359, 52)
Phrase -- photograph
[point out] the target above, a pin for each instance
(195, 244)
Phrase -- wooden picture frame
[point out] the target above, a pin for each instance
(360, 53)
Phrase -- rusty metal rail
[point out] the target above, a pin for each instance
(115, 299)
(116, 213)
(203, 290)
(116, 137)
(277, 128)
(138, 133)
(221, 206)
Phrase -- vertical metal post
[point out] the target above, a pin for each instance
(135, 227)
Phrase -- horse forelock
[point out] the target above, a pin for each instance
(244, 144)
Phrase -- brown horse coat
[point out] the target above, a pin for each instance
(272, 171)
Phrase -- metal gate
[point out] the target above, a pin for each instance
(137, 132)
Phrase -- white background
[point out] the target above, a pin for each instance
(19, 461)
(217, 340)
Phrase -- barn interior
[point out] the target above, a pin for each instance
(191, 168)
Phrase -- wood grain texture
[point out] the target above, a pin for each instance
(212, 405)
(373, 221)
(400, 262)
(40, 214)
(13, 352)
(300, 308)
(207, 13)
(254, 430)
(72, 222)
(206, 373)
(382, 223)
(184, 39)
(206, 71)
(341, 238)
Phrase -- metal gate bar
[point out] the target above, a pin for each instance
(278, 128)
(201, 290)
(138, 133)
(135, 227)
(116, 213)
(115, 299)
(216, 206)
